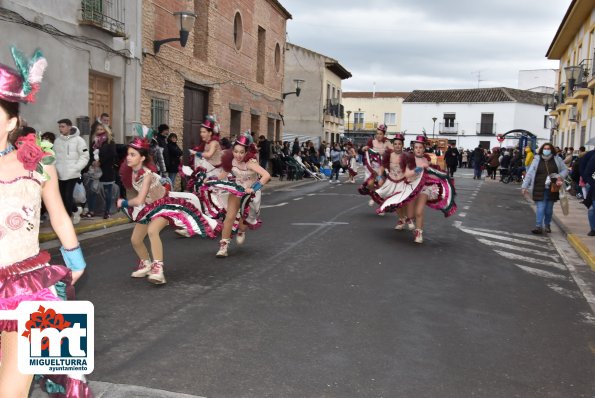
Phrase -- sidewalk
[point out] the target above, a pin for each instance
(576, 226)
(46, 233)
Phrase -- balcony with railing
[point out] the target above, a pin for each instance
(107, 15)
(486, 128)
(448, 128)
(334, 112)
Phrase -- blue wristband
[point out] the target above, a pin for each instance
(124, 203)
(419, 170)
(378, 178)
(74, 258)
(198, 154)
(256, 186)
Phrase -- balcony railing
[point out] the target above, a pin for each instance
(107, 15)
(451, 128)
(334, 108)
(486, 128)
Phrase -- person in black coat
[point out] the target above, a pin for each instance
(174, 155)
(587, 169)
(451, 157)
(478, 162)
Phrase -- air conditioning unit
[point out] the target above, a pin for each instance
(572, 114)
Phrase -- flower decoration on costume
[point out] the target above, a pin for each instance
(22, 84)
(34, 153)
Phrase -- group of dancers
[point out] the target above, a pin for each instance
(405, 182)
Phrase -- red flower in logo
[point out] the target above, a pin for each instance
(43, 319)
(28, 152)
(14, 221)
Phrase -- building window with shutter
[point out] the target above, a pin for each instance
(449, 119)
(159, 112)
(390, 118)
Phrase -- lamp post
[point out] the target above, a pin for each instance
(548, 101)
(573, 73)
(185, 24)
(298, 88)
(434, 127)
(348, 114)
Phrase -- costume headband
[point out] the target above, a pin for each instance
(244, 139)
(22, 84)
(143, 136)
(210, 123)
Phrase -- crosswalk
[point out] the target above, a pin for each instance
(535, 255)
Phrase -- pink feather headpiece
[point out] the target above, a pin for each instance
(22, 84)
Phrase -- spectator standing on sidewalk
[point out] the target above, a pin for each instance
(336, 162)
(104, 157)
(587, 168)
(264, 150)
(322, 153)
(478, 163)
(452, 159)
(174, 155)
(493, 163)
(72, 156)
(544, 178)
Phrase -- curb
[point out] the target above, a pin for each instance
(47, 236)
(582, 250)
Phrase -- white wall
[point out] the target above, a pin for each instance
(507, 116)
(529, 79)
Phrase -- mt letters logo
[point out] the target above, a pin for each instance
(56, 337)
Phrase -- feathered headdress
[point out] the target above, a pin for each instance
(245, 139)
(22, 84)
(211, 123)
(143, 136)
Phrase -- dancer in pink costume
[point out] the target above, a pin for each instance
(373, 152)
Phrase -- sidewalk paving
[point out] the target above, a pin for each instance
(46, 233)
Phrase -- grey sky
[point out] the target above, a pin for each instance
(428, 44)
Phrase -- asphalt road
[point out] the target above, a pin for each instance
(327, 300)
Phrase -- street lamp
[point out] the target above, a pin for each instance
(298, 88)
(548, 101)
(348, 114)
(434, 128)
(573, 73)
(185, 23)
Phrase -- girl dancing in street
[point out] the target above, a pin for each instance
(243, 201)
(154, 208)
(373, 152)
(28, 176)
(395, 180)
(351, 155)
(425, 185)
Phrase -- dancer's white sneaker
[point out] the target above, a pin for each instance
(142, 269)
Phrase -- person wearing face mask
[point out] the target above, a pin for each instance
(544, 178)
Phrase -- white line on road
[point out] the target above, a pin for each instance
(462, 214)
(466, 207)
(541, 273)
(319, 223)
(277, 205)
(531, 260)
(300, 198)
(518, 248)
(525, 236)
(505, 238)
(311, 194)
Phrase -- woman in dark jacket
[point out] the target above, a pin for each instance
(543, 180)
(174, 157)
(105, 157)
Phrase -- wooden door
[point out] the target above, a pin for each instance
(196, 105)
(100, 96)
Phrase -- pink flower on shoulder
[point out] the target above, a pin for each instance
(28, 152)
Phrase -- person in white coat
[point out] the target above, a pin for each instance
(72, 156)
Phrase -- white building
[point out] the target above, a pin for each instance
(94, 59)
(473, 117)
(539, 80)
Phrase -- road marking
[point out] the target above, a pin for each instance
(518, 248)
(462, 214)
(526, 236)
(466, 207)
(311, 194)
(277, 205)
(544, 246)
(517, 257)
(541, 273)
(298, 198)
(563, 291)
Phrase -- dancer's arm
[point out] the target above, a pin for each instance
(213, 147)
(61, 222)
(142, 195)
(264, 176)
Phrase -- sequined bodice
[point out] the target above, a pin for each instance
(380, 147)
(244, 176)
(19, 219)
(156, 190)
(215, 160)
(395, 171)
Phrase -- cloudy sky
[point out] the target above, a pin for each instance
(403, 45)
